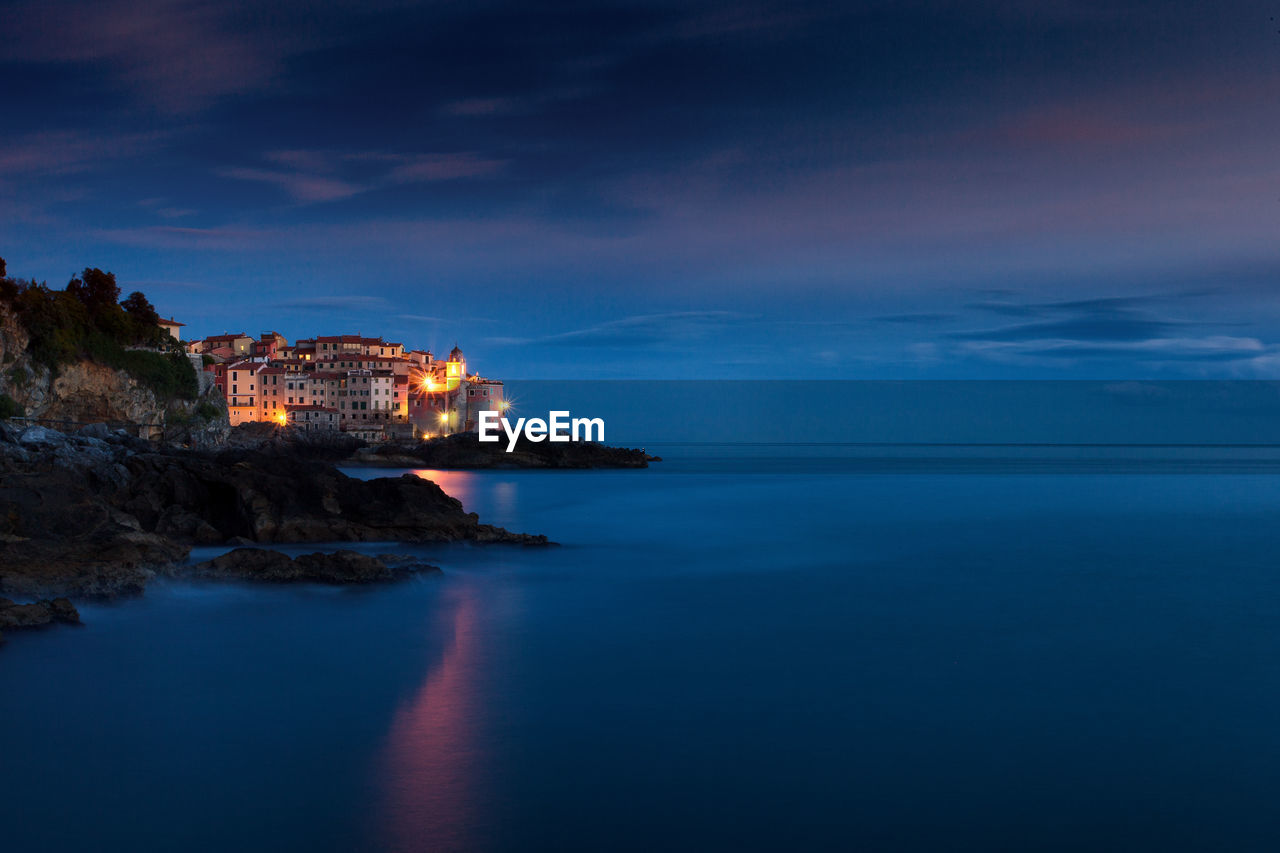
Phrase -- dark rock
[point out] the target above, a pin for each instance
(340, 567)
(93, 517)
(409, 563)
(37, 614)
(465, 450)
(96, 431)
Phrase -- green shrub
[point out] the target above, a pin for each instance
(9, 407)
(87, 321)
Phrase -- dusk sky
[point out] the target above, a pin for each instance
(648, 189)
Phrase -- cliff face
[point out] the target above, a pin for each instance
(85, 392)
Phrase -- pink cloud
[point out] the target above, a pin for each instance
(445, 167)
(65, 152)
(302, 187)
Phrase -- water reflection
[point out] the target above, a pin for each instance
(432, 759)
(456, 484)
(493, 498)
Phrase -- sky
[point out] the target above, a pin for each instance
(899, 190)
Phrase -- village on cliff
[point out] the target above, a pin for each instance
(367, 387)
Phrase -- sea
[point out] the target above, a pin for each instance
(763, 642)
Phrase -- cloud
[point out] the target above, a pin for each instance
(1118, 329)
(923, 318)
(1206, 348)
(425, 318)
(481, 107)
(444, 167)
(335, 303)
(175, 237)
(146, 285)
(175, 55)
(67, 152)
(637, 331)
(323, 176)
(302, 187)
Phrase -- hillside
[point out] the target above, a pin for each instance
(80, 356)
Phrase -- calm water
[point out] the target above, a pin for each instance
(853, 648)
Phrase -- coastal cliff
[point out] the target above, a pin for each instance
(84, 391)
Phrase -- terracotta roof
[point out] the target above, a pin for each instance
(171, 322)
(348, 339)
(226, 337)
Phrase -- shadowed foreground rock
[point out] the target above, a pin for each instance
(36, 615)
(341, 567)
(465, 450)
(98, 516)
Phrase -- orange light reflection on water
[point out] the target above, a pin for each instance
(456, 484)
(432, 756)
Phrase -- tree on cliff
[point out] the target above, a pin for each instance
(142, 315)
(87, 321)
(96, 289)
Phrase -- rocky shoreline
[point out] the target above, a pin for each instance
(98, 514)
(465, 451)
(38, 614)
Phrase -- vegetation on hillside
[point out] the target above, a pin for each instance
(88, 320)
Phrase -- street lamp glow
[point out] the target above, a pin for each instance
(444, 417)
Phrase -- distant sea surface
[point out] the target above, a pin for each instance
(751, 646)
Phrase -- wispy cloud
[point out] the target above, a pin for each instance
(67, 152)
(444, 167)
(322, 176)
(335, 303)
(1107, 329)
(147, 285)
(923, 318)
(177, 237)
(639, 330)
(301, 186)
(177, 56)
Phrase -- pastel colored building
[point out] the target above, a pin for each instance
(173, 327)
(361, 385)
(312, 418)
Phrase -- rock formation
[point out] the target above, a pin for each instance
(86, 515)
(465, 450)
